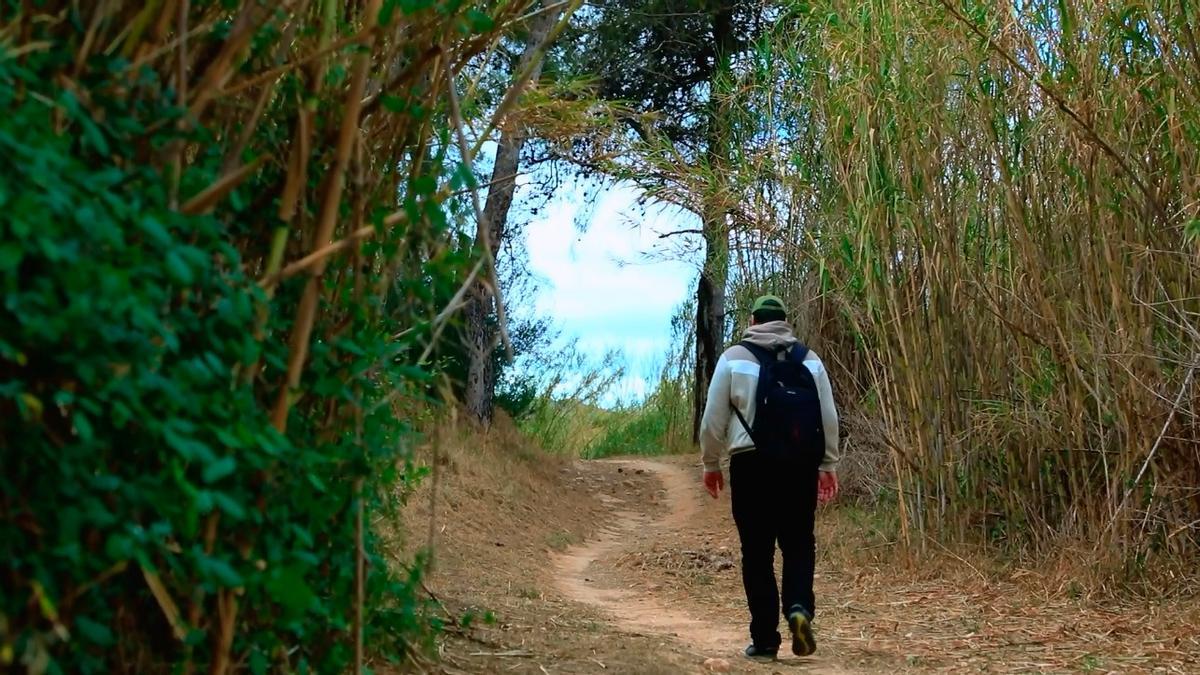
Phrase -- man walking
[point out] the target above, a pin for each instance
(771, 406)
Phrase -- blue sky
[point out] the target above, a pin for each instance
(607, 278)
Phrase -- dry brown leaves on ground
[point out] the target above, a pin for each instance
(504, 518)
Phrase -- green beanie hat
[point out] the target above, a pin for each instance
(768, 302)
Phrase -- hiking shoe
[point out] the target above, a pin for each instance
(803, 642)
(759, 654)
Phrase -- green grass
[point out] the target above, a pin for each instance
(592, 432)
(661, 425)
(632, 432)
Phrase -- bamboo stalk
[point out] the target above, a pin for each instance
(209, 196)
(306, 313)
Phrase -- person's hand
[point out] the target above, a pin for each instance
(714, 482)
(827, 487)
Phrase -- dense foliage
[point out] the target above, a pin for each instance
(227, 245)
(236, 233)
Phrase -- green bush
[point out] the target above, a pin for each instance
(152, 517)
(632, 431)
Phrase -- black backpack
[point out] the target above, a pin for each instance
(787, 417)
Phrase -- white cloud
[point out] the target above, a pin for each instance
(598, 285)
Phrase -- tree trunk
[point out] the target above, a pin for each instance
(710, 289)
(710, 324)
(481, 336)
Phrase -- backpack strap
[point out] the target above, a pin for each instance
(760, 353)
(798, 352)
(745, 424)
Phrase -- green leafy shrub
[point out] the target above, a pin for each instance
(194, 444)
(141, 476)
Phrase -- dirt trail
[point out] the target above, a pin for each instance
(554, 567)
(580, 576)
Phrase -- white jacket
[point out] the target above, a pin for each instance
(735, 382)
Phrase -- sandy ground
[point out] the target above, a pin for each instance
(627, 566)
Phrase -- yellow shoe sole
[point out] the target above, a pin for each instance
(803, 642)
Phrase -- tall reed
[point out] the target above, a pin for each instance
(986, 216)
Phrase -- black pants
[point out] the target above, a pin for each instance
(774, 500)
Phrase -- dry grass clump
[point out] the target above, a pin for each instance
(478, 479)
